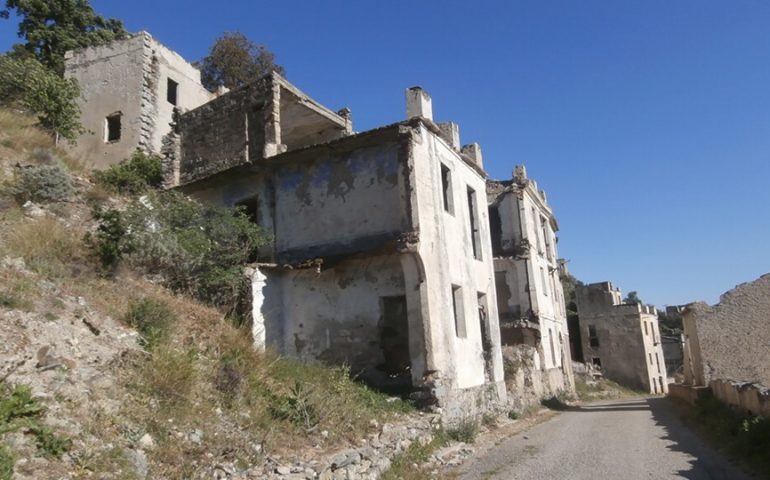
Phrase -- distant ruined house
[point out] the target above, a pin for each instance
(727, 348)
(382, 255)
(623, 340)
(530, 300)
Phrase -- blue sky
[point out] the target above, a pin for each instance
(646, 122)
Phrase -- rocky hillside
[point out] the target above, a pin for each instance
(110, 375)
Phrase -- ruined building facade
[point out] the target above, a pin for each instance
(129, 90)
(382, 252)
(623, 340)
(381, 257)
(530, 300)
(727, 347)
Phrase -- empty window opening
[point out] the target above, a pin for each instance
(645, 329)
(654, 385)
(546, 237)
(545, 283)
(474, 224)
(657, 361)
(553, 350)
(660, 382)
(250, 207)
(486, 336)
(593, 338)
(459, 313)
(650, 358)
(394, 337)
(112, 127)
(172, 89)
(597, 362)
(496, 230)
(446, 188)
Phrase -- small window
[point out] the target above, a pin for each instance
(650, 358)
(474, 224)
(459, 313)
(112, 127)
(597, 362)
(446, 188)
(172, 88)
(657, 361)
(645, 329)
(593, 338)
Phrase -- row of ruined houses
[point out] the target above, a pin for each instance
(392, 251)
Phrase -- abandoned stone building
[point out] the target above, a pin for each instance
(129, 90)
(530, 300)
(623, 340)
(727, 348)
(381, 256)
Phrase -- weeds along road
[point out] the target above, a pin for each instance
(625, 440)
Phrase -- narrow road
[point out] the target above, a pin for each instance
(631, 439)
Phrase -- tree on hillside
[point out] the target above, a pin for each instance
(234, 60)
(25, 83)
(632, 297)
(52, 27)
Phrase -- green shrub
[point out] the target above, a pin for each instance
(465, 431)
(152, 319)
(296, 407)
(7, 461)
(132, 176)
(198, 250)
(26, 83)
(43, 183)
(18, 410)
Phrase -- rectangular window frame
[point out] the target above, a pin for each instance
(446, 189)
(458, 307)
(113, 127)
(473, 220)
(172, 91)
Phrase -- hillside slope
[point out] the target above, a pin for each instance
(83, 394)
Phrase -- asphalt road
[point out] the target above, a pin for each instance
(625, 440)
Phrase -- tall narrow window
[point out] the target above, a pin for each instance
(172, 89)
(546, 237)
(545, 283)
(112, 127)
(459, 312)
(537, 231)
(446, 188)
(645, 329)
(553, 350)
(593, 338)
(657, 361)
(474, 224)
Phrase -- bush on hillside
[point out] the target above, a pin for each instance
(43, 183)
(132, 176)
(152, 319)
(198, 250)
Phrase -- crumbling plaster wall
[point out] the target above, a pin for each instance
(733, 336)
(333, 315)
(446, 254)
(348, 202)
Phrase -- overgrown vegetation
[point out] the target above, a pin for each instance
(234, 60)
(466, 431)
(406, 466)
(46, 245)
(151, 318)
(20, 412)
(198, 250)
(51, 28)
(42, 183)
(132, 176)
(27, 84)
(589, 389)
(745, 437)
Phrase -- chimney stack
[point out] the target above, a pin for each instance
(418, 103)
(473, 150)
(450, 131)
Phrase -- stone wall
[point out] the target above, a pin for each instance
(731, 340)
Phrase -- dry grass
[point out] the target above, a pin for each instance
(21, 141)
(47, 246)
